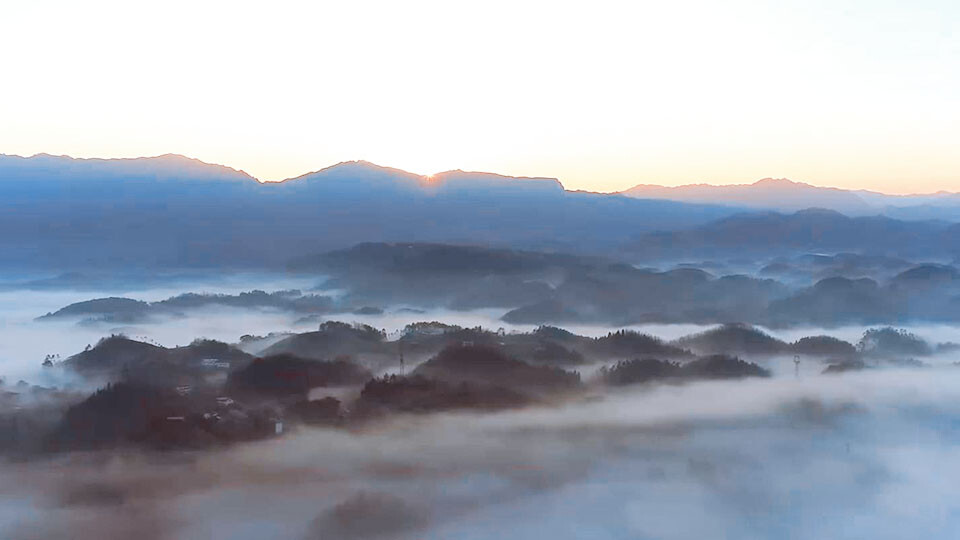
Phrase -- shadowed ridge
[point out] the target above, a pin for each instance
(811, 229)
(167, 166)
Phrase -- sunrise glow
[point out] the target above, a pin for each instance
(602, 96)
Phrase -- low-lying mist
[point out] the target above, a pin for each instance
(859, 455)
(802, 454)
(25, 341)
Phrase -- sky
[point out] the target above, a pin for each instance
(602, 95)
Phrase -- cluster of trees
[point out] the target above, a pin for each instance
(893, 342)
(286, 375)
(210, 392)
(417, 393)
(646, 370)
(127, 310)
(132, 413)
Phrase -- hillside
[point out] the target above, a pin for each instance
(811, 230)
(485, 365)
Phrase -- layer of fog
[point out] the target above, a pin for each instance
(25, 342)
(866, 454)
(858, 455)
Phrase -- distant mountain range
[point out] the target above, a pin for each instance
(174, 211)
(787, 196)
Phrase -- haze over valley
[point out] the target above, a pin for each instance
(514, 270)
(382, 355)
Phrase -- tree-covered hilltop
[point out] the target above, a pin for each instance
(211, 393)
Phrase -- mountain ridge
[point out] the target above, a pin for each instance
(344, 168)
(169, 163)
(177, 212)
(786, 182)
(655, 191)
(787, 195)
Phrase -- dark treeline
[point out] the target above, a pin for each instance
(541, 288)
(212, 393)
(127, 310)
(537, 288)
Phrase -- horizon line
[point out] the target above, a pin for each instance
(432, 175)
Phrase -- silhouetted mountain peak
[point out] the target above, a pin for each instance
(364, 175)
(362, 166)
(779, 182)
(357, 167)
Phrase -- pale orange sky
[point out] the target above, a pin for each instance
(602, 95)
